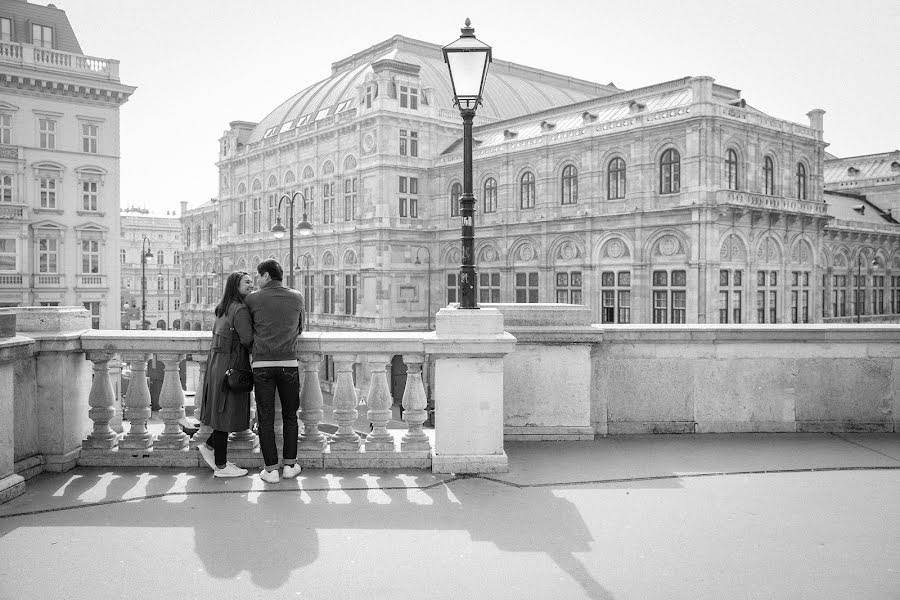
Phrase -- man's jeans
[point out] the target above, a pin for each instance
(265, 381)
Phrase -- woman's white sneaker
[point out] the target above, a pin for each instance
(269, 476)
(230, 470)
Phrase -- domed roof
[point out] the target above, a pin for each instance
(511, 90)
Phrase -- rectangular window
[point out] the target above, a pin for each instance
(90, 134)
(89, 196)
(210, 290)
(669, 297)
(767, 297)
(527, 287)
(730, 296)
(859, 289)
(404, 143)
(5, 29)
(409, 143)
(615, 297)
(160, 305)
(328, 203)
(94, 309)
(242, 222)
(839, 296)
(408, 207)
(257, 215)
(568, 287)
(6, 187)
(799, 297)
(47, 133)
(42, 35)
(452, 288)
(328, 294)
(309, 287)
(878, 294)
(350, 199)
(90, 256)
(270, 213)
(401, 207)
(7, 254)
(351, 283)
(489, 287)
(176, 304)
(409, 97)
(895, 294)
(48, 255)
(198, 290)
(5, 129)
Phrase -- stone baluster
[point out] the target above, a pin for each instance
(102, 402)
(345, 402)
(171, 406)
(115, 377)
(137, 404)
(311, 404)
(204, 431)
(414, 403)
(379, 403)
(246, 439)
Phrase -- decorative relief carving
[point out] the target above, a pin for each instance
(488, 255)
(350, 258)
(527, 253)
(567, 251)
(368, 144)
(454, 257)
(615, 248)
(668, 245)
(328, 259)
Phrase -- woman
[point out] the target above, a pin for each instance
(224, 409)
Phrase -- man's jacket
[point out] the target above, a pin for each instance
(277, 313)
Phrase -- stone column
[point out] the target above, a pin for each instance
(12, 350)
(468, 350)
(137, 404)
(171, 406)
(345, 402)
(115, 379)
(204, 431)
(311, 439)
(414, 403)
(102, 402)
(379, 403)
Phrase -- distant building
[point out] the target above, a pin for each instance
(162, 235)
(203, 264)
(672, 203)
(59, 166)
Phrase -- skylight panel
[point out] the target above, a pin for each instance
(322, 114)
(345, 105)
(302, 120)
(270, 132)
(285, 127)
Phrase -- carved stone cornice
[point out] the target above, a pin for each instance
(42, 84)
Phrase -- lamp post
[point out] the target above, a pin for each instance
(418, 262)
(307, 286)
(145, 254)
(304, 227)
(467, 60)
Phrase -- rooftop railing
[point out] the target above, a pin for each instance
(28, 56)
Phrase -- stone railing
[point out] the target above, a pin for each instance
(750, 200)
(28, 56)
(11, 280)
(13, 213)
(61, 407)
(44, 281)
(92, 281)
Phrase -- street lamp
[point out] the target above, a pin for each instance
(304, 227)
(859, 281)
(467, 59)
(418, 262)
(145, 254)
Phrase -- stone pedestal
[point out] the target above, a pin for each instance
(468, 349)
(11, 350)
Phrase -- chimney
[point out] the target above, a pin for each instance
(816, 118)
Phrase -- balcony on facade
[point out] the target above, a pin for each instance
(35, 58)
(49, 281)
(14, 212)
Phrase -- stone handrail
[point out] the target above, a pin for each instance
(13, 213)
(751, 200)
(28, 56)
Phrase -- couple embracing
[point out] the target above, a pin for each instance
(263, 324)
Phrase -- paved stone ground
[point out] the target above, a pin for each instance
(787, 516)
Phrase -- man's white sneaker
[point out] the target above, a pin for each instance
(208, 455)
(290, 471)
(230, 470)
(269, 476)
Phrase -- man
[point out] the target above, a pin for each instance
(277, 314)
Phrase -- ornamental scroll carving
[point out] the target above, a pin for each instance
(568, 251)
(488, 255)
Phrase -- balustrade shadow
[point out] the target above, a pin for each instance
(270, 532)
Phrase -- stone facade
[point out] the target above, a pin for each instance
(59, 168)
(163, 270)
(673, 203)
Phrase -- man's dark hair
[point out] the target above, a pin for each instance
(271, 266)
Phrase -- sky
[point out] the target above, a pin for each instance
(201, 64)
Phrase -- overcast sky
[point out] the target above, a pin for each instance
(201, 64)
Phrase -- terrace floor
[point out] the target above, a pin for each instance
(630, 517)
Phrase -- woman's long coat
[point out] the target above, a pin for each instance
(224, 409)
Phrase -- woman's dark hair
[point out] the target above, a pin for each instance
(231, 293)
(271, 266)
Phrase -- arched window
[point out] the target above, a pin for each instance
(197, 241)
(455, 193)
(160, 283)
(490, 195)
(308, 173)
(526, 190)
(569, 184)
(273, 182)
(801, 181)
(731, 169)
(187, 237)
(209, 234)
(769, 176)
(670, 172)
(289, 178)
(615, 179)
(176, 284)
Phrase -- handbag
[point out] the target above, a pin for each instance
(237, 380)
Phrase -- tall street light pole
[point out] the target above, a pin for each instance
(467, 60)
(145, 254)
(428, 286)
(307, 287)
(304, 227)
